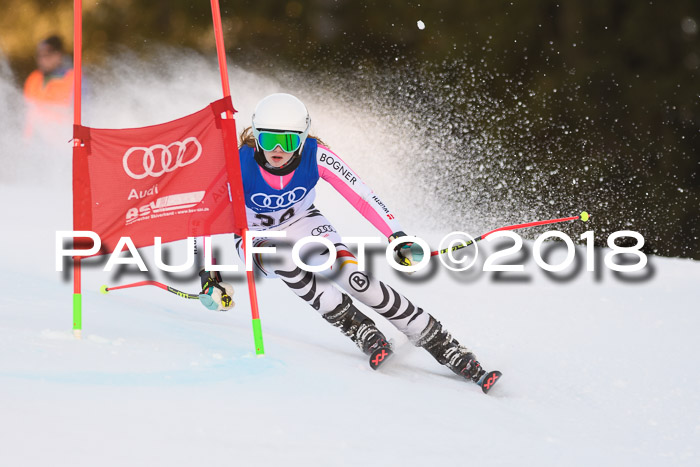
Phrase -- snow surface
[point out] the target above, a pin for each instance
(597, 370)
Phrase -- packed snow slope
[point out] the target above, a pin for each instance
(599, 369)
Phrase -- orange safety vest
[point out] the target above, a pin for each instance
(55, 91)
(48, 115)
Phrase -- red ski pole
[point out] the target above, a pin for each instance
(584, 216)
(104, 289)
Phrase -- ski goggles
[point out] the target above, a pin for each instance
(288, 141)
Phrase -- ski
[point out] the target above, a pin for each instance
(488, 381)
(379, 356)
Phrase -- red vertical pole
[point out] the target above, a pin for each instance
(77, 86)
(223, 70)
(77, 58)
(220, 50)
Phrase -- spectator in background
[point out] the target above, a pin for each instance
(49, 91)
(53, 80)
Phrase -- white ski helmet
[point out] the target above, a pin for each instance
(281, 112)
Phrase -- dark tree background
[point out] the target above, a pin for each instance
(624, 72)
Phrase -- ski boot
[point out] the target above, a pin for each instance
(447, 351)
(361, 330)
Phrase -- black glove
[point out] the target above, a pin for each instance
(215, 294)
(405, 253)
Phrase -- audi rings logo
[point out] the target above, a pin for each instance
(321, 229)
(169, 159)
(279, 201)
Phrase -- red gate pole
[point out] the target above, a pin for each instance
(221, 54)
(77, 86)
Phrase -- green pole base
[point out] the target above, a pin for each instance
(77, 315)
(257, 334)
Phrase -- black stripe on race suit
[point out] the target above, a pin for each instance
(289, 274)
(394, 307)
(406, 313)
(303, 282)
(385, 298)
(310, 294)
(317, 303)
(420, 311)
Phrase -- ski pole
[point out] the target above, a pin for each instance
(104, 289)
(584, 216)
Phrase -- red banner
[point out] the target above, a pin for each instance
(176, 180)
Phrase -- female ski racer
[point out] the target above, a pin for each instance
(280, 165)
